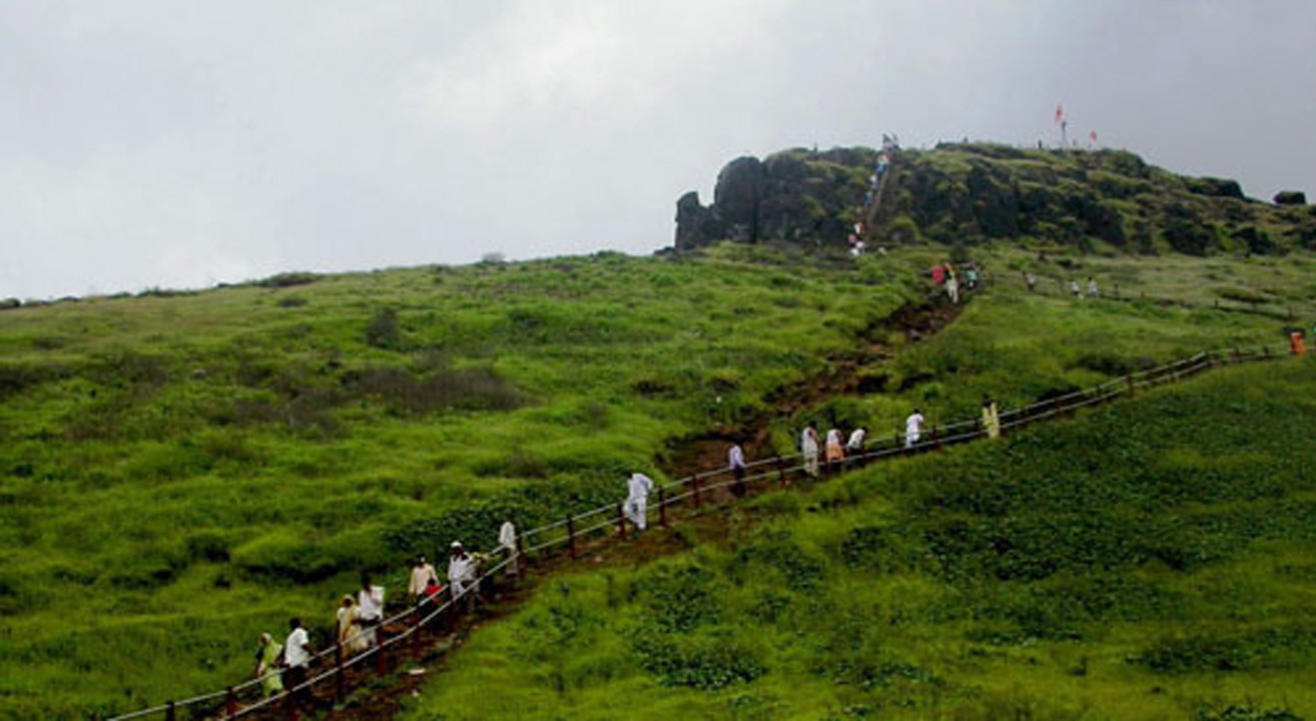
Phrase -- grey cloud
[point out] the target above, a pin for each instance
(159, 143)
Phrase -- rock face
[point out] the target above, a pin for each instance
(1290, 197)
(792, 196)
(970, 193)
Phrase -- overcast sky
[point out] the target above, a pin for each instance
(180, 144)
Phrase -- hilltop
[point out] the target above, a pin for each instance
(973, 194)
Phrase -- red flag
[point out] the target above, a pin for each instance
(1060, 113)
(1093, 136)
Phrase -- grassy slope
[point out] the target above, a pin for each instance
(169, 464)
(968, 639)
(178, 474)
(1148, 560)
(1019, 346)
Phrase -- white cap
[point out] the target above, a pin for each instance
(456, 544)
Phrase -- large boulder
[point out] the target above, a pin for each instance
(793, 196)
(1290, 197)
(1214, 187)
(696, 225)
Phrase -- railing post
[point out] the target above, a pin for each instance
(781, 472)
(230, 702)
(694, 484)
(381, 651)
(571, 537)
(1238, 355)
(338, 671)
(415, 634)
(1129, 380)
(1266, 350)
(662, 506)
(936, 438)
(290, 710)
(520, 558)
(171, 712)
(621, 522)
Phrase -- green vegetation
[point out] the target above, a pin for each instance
(1147, 560)
(179, 472)
(975, 193)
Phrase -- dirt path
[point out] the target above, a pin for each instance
(374, 696)
(844, 377)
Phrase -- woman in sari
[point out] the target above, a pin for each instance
(349, 630)
(267, 665)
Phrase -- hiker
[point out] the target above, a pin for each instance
(461, 571)
(1031, 281)
(835, 454)
(736, 462)
(349, 626)
(809, 448)
(991, 420)
(971, 277)
(432, 591)
(267, 665)
(938, 274)
(854, 448)
(369, 610)
(913, 428)
(952, 286)
(1073, 288)
(1092, 288)
(507, 542)
(638, 488)
(421, 571)
(296, 659)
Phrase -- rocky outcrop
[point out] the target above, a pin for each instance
(791, 196)
(969, 193)
(1290, 197)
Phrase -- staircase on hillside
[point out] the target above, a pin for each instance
(883, 180)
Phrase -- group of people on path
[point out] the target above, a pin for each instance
(944, 274)
(881, 166)
(357, 619)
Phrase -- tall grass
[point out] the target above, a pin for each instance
(1125, 564)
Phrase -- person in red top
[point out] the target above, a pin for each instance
(938, 273)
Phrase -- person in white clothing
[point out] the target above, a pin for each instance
(736, 462)
(913, 428)
(507, 542)
(638, 488)
(809, 448)
(1073, 288)
(854, 448)
(369, 609)
(421, 573)
(461, 571)
(1092, 288)
(296, 659)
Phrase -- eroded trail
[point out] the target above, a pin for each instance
(374, 691)
(844, 377)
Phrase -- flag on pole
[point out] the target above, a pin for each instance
(1093, 136)
(1060, 112)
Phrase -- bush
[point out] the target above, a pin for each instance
(383, 331)
(287, 280)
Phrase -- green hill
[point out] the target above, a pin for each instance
(1149, 560)
(180, 471)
